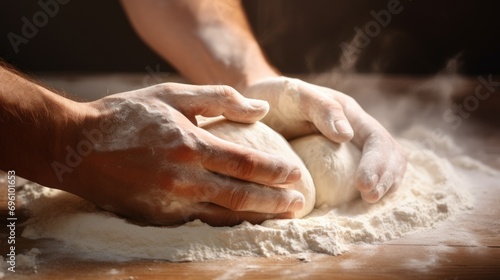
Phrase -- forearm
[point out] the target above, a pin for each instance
(32, 121)
(209, 42)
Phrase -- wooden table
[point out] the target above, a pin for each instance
(467, 247)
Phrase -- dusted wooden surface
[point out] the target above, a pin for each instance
(466, 247)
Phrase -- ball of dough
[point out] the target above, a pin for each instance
(332, 167)
(260, 137)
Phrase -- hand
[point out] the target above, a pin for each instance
(299, 108)
(150, 161)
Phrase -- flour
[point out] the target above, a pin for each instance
(25, 261)
(431, 192)
(28, 259)
(428, 260)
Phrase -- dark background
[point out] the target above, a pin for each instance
(297, 36)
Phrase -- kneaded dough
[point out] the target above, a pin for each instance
(261, 137)
(332, 167)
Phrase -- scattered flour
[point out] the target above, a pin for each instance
(429, 260)
(26, 261)
(431, 192)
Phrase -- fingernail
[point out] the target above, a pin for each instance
(257, 103)
(296, 205)
(293, 176)
(343, 127)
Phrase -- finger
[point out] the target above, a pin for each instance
(331, 122)
(379, 190)
(328, 116)
(215, 215)
(239, 195)
(247, 164)
(212, 101)
(375, 177)
(371, 167)
(389, 183)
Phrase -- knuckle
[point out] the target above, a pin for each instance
(189, 143)
(225, 92)
(238, 199)
(165, 88)
(282, 203)
(350, 104)
(280, 173)
(349, 101)
(213, 190)
(333, 107)
(185, 144)
(244, 167)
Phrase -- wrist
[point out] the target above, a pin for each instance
(69, 146)
(60, 124)
(39, 125)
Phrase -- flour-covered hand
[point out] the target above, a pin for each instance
(298, 108)
(150, 161)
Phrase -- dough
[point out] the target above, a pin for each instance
(259, 136)
(328, 168)
(332, 167)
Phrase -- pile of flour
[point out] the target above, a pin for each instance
(432, 191)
